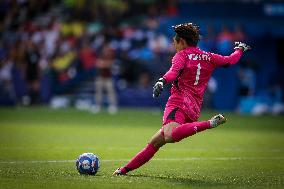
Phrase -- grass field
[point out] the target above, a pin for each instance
(38, 148)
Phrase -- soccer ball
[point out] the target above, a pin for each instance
(88, 164)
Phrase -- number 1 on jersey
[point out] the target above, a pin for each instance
(197, 74)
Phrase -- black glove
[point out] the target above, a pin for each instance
(158, 87)
(244, 47)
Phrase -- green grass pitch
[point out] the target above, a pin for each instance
(38, 148)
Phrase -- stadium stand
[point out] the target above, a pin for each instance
(49, 49)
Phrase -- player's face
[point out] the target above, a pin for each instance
(179, 45)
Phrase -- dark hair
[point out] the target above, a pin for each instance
(189, 32)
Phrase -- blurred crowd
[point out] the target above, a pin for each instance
(48, 48)
(44, 44)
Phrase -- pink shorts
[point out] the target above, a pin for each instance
(175, 114)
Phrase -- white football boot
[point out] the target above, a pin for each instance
(118, 172)
(217, 120)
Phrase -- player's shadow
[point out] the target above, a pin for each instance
(182, 181)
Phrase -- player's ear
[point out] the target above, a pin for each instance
(183, 42)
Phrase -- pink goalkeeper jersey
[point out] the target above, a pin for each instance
(191, 70)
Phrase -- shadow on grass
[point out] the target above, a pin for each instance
(181, 181)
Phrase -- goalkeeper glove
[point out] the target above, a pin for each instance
(158, 87)
(244, 47)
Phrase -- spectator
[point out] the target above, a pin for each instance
(51, 35)
(225, 40)
(87, 56)
(276, 89)
(103, 81)
(32, 58)
(144, 82)
(209, 93)
(172, 9)
(239, 34)
(247, 78)
(6, 87)
(209, 41)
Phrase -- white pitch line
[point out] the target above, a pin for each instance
(134, 148)
(155, 159)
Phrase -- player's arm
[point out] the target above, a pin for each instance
(225, 61)
(178, 63)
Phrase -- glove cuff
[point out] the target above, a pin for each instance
(239, 48)
(162, 80)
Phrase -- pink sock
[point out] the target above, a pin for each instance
(188, 129)
(141, 158)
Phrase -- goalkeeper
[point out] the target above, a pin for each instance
(189, 74)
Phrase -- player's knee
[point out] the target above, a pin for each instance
(168, 136)
(168, 129)
(169, 139)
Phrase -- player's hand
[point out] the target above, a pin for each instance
(158, 87)
(240, 45)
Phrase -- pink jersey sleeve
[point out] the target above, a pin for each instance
(220, 60)
(178, 63)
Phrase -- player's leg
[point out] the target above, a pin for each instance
(110, 89)
(170, 119)
(144, 155)
(99, 87)
(176, 134)
(171, 132)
